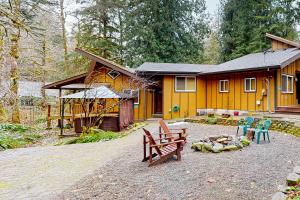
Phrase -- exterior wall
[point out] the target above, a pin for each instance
(287, 99)
(186, 100)
(237, 98)
(119, 84)
(277, 45)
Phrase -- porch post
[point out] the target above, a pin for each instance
(62, 117)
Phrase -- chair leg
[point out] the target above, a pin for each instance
(258, 137)
(264, 134)
(245, 131)
(237, 131)
(268, 136)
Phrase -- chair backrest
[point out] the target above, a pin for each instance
(249, 120)
(267, 124)
(152, 141)
(164, 126)
(165, 129)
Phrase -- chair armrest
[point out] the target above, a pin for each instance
(174, 142)
(170, 133)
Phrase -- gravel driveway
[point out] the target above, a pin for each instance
(254, 172)
(45, 172)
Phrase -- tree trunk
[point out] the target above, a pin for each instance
(43, 77)
(63, 26)
(3, 113)
(14, 76)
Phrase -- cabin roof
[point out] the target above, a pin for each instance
(172, 68)
(125, 70)
(71, 80)
(250, 62)
(258, 61)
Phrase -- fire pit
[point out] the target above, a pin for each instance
(217, 144)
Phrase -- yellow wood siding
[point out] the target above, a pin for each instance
(287, 99)
(187, 101)
(124, 82)
(236, 98)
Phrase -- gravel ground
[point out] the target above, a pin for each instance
(254, 172)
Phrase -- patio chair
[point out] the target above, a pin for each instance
(164, 151)
(165, 131)
(263, 128)
(244, 125)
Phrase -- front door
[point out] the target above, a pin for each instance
(158, 101)
(298, 87)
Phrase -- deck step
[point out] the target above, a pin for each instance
(157, 115)
(288, 109)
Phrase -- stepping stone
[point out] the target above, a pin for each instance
(293, 179)
(279, 196)
(297, 170)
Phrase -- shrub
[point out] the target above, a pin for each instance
(96, 135)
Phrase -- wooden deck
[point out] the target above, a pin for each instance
(295, 109)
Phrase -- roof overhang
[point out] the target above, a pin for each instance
(156, 73)
(59, 84)
(241, 70)
(285, 41)
(105, 62)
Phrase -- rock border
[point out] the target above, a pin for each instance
(292, 180)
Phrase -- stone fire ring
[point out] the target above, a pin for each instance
(217, 144)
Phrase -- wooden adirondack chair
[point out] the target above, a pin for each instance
(164, 151)
(168, 133)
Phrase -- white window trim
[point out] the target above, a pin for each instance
(185, 83)
(220, 85)
(245, 83)
(287, 86)
(138, 95)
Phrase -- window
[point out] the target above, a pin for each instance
(135, 94)
(224, 85)
(287, 83)
(250, 84)
(113, 74)
(185, 84)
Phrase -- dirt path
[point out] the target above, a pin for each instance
(44, 172)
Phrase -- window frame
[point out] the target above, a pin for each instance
(185, 83)
(220, 85)
(138, 95)
(287, 84)
(111, 76)
(245, 84)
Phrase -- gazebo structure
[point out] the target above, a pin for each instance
(101, 107)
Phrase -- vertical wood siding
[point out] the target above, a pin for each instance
(287, 99)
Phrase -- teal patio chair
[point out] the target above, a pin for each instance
(244, 125)
(263, 128)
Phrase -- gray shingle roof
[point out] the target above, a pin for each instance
(280, 58)
(255, 61)
(162, 68)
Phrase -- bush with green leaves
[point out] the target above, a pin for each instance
(95, 135)
(16, 136)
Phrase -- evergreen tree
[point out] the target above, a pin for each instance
(245, 23)
(165, 31)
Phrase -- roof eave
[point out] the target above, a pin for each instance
(240, 70)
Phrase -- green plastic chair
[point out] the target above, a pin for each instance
(245, 124)
(263, 128)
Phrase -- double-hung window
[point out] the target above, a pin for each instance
(224, 85)
(287, 83)
(250, 85)
(185, 84)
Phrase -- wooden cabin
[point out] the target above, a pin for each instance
(260, 82)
